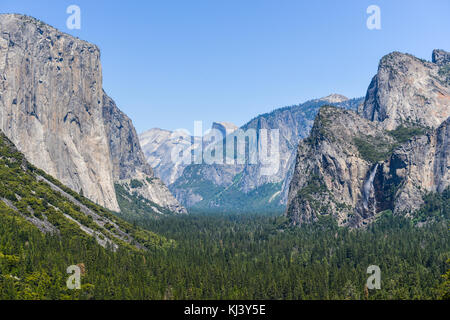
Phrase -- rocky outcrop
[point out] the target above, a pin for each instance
(334, 171)
(354, 168)
(54, 109)
(128, 160)
(440, 57)
(420, 166)
(127, 157)
(335, 98)
(407, 90)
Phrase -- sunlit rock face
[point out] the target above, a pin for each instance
(389, 156)
(417, 167)
(331, 177)
(54, 109)
(407, 90)
(235, 187)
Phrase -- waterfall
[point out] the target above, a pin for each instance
(368, 186)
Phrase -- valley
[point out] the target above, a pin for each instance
(359, 182)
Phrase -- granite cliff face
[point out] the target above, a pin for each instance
(54, 109)
(407, 90)
(420, 166)
(128, 160)
(354, 167)
(238, 186)
(331, 170)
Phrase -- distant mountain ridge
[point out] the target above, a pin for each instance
(158, 145)
(238, 187)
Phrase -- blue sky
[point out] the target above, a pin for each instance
(167, 63)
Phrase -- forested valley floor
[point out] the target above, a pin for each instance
(231, 257)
